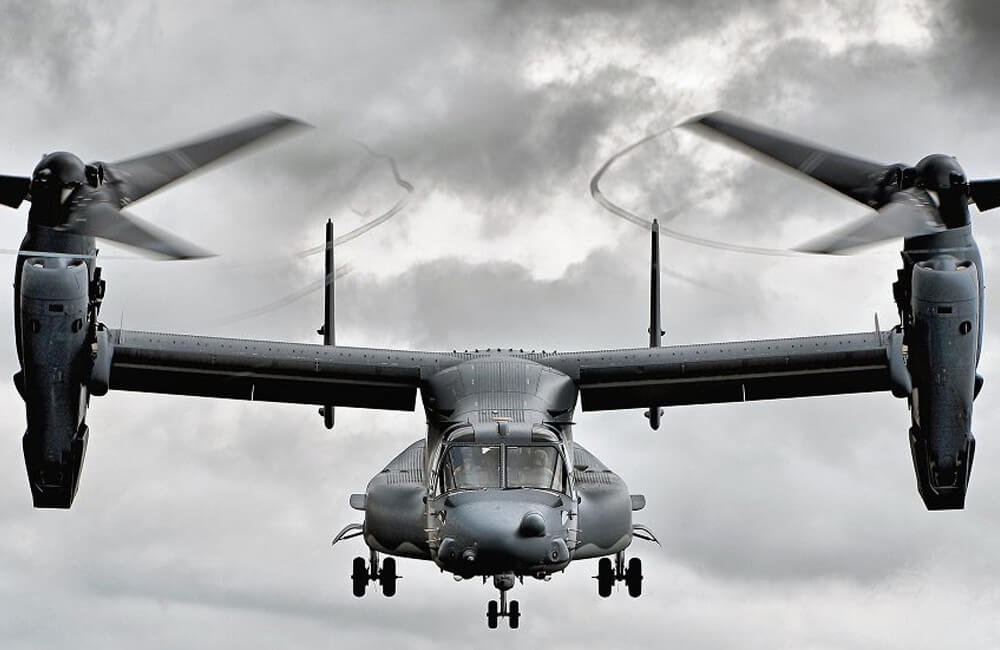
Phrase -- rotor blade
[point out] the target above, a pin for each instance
(908, 214)
(143, 175)
(103, 220)
(985, 193)
(13, 190)
(855, 177)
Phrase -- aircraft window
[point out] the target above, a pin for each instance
(535, 467)
(469, 467)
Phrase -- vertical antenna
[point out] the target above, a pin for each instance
(328, 329)
(329, 335)
(656, 332)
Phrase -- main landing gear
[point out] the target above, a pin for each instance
(363, 574)
(607, 575)
(495, 611)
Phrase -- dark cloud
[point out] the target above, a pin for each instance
(975, 25)
(450, 303)
(45, 46)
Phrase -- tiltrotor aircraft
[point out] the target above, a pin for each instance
(498, 487)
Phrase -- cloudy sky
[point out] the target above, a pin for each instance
(206, 524)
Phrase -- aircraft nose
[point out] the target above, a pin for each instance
(532, 525)
(487, 533)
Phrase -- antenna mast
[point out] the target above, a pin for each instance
(327, 330)
(656, 332)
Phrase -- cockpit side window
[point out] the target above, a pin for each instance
(535, 467)
(470, 467)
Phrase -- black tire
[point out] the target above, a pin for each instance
(387, 577)
(491, 614)
(605, 577)
(514, 615)
(633, 577)
(359, 577)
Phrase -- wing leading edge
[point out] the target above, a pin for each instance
(607, 379)
(733, 372)
(270, 371)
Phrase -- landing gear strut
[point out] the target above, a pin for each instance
(607, 575)
(363, 574)
(512, 613)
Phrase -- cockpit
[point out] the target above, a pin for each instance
(473, 467)
(534, 463)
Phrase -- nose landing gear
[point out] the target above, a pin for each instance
(607, 575)
(363, 574)
(496, 611)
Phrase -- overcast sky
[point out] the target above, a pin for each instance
(206, 524)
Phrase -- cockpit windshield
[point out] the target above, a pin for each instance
(534, 467)
(475, 467)
(468, 467)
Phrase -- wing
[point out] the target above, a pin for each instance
(270, 371)
(733, 372)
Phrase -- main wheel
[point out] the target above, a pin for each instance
(491, 614)
(633, 577)
(387, 577)
(514, 614)
(359, 577)
(605, 577)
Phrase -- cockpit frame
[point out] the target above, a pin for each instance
(556, 466)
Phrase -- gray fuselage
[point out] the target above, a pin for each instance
(498, 485)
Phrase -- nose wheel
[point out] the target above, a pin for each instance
(502, 609)
(365, 573)
(630, 574)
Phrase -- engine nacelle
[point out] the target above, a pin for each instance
(55, 372)
(943, 341)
